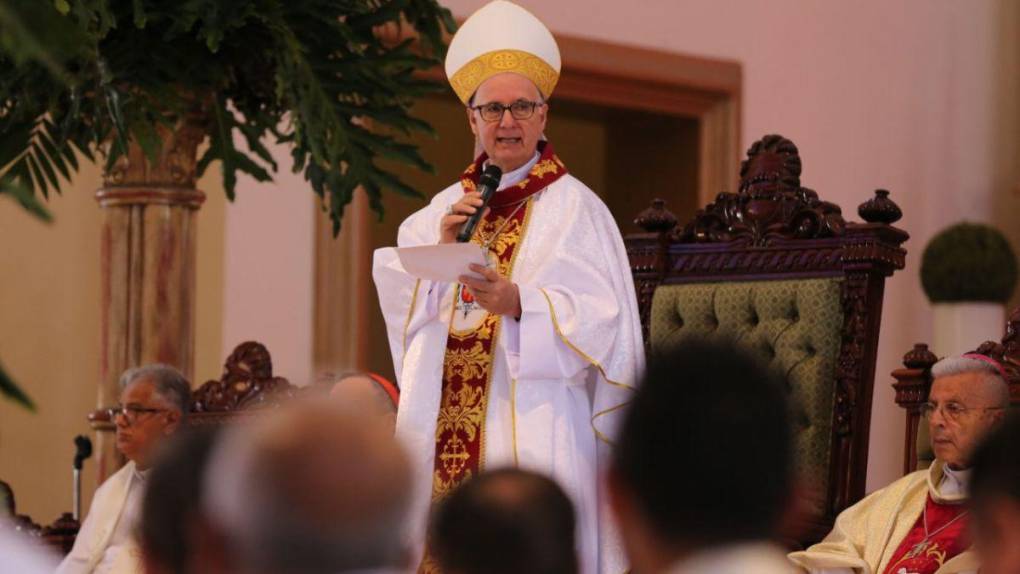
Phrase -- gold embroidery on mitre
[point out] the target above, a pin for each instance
(471, 75)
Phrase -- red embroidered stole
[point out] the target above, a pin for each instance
(470, 347)
(917, 555)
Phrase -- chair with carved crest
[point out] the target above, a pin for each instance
(779, 270)
(913, 382)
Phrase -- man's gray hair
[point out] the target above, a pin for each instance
(962, 365)
(169, 383)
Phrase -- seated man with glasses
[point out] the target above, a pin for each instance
(153, 402)
(527, 361)
(918, 524)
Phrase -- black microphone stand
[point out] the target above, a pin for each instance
(82, 450)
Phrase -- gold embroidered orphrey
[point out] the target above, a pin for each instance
(467, 367)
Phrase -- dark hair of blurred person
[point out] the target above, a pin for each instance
(503, 522)
(311, 488)
(702, 471)
(995, 498)
(171, 524)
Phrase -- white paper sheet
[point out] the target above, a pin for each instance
(443, 263)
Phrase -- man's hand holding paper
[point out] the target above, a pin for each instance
(495, 293)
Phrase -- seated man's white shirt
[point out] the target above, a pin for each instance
(121, 554)
(106, 541)
(953, 485)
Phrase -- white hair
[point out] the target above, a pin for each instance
(963, 365)
(169, 383)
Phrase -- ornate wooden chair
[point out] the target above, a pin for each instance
(913, 382)
(778, 269)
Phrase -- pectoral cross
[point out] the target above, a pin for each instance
(917, 550)
(465, 301)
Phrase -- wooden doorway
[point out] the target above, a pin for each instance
(633, 124)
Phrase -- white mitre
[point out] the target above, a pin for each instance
(502, 37)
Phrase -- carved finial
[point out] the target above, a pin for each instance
(772, 166)
(249, 361)
(919, 357)
(656, 219)
(880, 209)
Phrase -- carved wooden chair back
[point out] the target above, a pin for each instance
(778, 269)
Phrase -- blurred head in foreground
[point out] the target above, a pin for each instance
(995, 498)
(309, 489)
(505, 521)
(704, 458)
(173, 527)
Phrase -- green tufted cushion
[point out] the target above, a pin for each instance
(794, 325)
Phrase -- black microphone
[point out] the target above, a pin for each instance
(83, 450)
(487, 184)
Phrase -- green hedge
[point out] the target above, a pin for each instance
(969, 262)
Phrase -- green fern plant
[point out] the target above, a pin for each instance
(85, 78)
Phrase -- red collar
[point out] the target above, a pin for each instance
(546, 170)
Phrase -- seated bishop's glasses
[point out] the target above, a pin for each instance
(952, 411)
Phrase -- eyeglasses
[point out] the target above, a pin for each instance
(952, 411)
(132, 413)
(520, 110)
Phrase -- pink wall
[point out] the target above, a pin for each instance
(901, 95)
(269, 269)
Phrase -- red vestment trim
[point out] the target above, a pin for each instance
(548, 169)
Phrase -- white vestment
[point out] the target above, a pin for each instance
(866, 535)
(559, 376)
(105, 542)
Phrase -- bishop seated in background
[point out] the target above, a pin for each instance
(918, 524)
